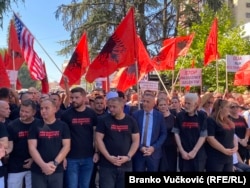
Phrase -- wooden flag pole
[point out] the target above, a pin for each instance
(161, 81)
(14, 67)
(226, 74)
(137, 85)
(217, 75)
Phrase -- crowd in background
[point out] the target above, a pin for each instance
(76, 139)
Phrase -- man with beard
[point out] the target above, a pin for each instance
(82, 121)
(19, 159)
(117, 137)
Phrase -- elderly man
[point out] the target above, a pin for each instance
(190, 134)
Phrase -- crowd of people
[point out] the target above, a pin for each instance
(76, 139)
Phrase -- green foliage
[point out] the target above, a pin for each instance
(5, 7)
(154, 21)
(26, 81)
(230, 42)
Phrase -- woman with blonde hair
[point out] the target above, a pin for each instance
(221, 143)
(206, 103)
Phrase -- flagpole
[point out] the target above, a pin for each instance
(107, 85)
(177, 75)
(14, 68)
(226, 74)
(137, 85)
(161, 81)
(136, 58)
(41, 46)
(172, 89)
(217, 79)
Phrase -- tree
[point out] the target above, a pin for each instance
(230, 41)
(5, 6)
(215, 5)
(24, 77)
(155, 22)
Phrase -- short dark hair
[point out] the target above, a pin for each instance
(121, 94)
(78, 89)
(56, 94)
(29, 102)
(99, 97)
(4, 92)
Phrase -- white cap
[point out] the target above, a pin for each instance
(111, 94)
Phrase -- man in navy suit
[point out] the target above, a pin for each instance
(152, 136)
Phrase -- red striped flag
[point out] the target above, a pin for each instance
(26, 41)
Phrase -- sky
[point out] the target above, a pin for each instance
(39, 18)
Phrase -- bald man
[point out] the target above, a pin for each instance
(4, 112)
(4, 121)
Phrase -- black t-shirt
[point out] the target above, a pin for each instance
(3, 130)
(14, 113)
(18, 133)
(170, 140)
(240, 126)
(190, 128)
(81, 125)
(117, 136)
(49, 141)
(59, 113)
(3, 133)
(225, 136)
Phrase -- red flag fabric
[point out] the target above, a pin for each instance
(165, 60)
(14, 49)
(172, 48)
(26, 41)
(5, 81)
(18, 85)
(242, 76)
(7, 59)
(117, 77)
(144, 60)
(193, 63)
(45, 82)
(211, 48)
(126, 77)
(182, 44)
(78, 63)
(119, 51)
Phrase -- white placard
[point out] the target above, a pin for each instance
(190, 77)
(234, 62)
(12, 76)
(149, 85)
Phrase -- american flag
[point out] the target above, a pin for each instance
(26, 41)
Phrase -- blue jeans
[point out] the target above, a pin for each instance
(78, 172)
